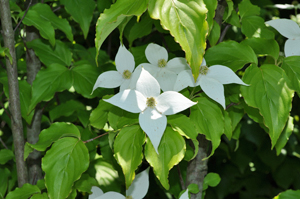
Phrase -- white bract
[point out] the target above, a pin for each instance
(152, 106)
(210, 79)
(163, 70)
(123, 77)
(185, 195)
(290, 30)
(137, 190)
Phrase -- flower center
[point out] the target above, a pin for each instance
(203, 70)
(129, 197)
(162, 63)
(126, 74)
(151, 102)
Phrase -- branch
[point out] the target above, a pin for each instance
(14, 98)
(23, 16)
(3, 143)
(90, 140)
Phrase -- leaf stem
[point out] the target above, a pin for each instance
(90, 140)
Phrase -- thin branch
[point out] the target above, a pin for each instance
(56, 9)
(231, 104)
(224, 33)
(90, 140)
(3, 143)
(181, 178)
(23, 16)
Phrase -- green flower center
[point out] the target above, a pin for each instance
(151, 102)
(203, 70)
(126, 74)
(162, 63)
(129, 197)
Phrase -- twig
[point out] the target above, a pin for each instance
(23, 16)
(231, 104)
(90, 140)
(224, 33)
(3, 143)
(181, 178)
(56, 9)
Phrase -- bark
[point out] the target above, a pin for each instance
(197, 168)
(33, 130)
(14, 98)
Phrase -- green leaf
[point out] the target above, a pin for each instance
(246, 8)
(212, 179)
(139, 54)
(208, 119)
(211, 6)
(59, 55)
(140, 29)
(193, 188)
(6, 155)
(251, 25)
(27, 150)
(85, 183)
(263, 47)
(233, 19)
(186, 21)
(98, 117)
(5, 52)
(119, 118)
(66, 109)
(230, 54)
(171, 151)
(32, 18)
(113, 16)
(24, 192)
(228, 125)
(84, 78)
(106, 175)
(229, 11)
(40, 196)
(128, 148)
(47, 14)
(214, 34)
(268, 91)
(291, 67)
(55, 78)
(285, 135)
(183, 125)
(63, 164)
(5, 175)
(25, 99)
(55, 132)
(289, 194)
(81, 11)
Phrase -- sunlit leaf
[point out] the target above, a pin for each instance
(63, 164)
(272, 96)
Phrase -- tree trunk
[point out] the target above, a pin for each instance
(33, 130)
(14, 98)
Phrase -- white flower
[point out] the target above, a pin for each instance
(123, 77)
(137, 190)
(290, 30)
(185, 195)
(152, 106)
(210, 79)
(163, 70)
